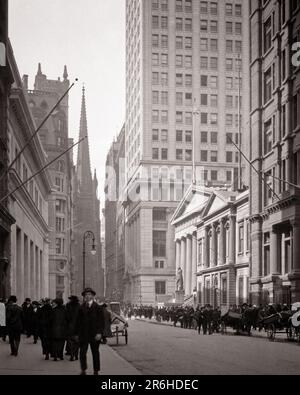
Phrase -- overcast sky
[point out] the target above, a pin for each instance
(89, 37)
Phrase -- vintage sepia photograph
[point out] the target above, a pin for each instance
(149, 190)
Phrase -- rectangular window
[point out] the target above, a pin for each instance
(214, 45)
(241, 238)
(267, 34)
(204, 44)
(229, 27)
(155, 59)
(160, 287)
(164, 60)
(228, 9)
(188, 155)
(164, 136)
(164, 98)
(268, 138)
(164, 22)
(155, 97)
(204, 156)
(214, 63)
(204, 138)
(214, 156)
(229, 46)
(164, 154)
(203, 62)
(155, 153)
(214, 8)
(155, 135)
(179, 136)
(179, 98)
(266, 254)
(179, 155)
(179, 42)
(159, 243)
(268, 85)
(214, 137)
(214, 26)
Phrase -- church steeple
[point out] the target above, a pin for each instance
(84, 175)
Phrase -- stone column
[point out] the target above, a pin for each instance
(188, 272)
(222, 257)
(194, 262)
(178, 248)
(232, 243)
(296, 246)
(206, 250)
(183, 258)
(213, 251)
(274, 253)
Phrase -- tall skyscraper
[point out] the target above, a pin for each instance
(86, 218)
(275, 151)
(187, 66)
(55, 140)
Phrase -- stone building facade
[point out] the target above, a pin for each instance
(213, 246)
(114, 219)
(6, 220)
(29, 243)
(275, 152)
(55, 140)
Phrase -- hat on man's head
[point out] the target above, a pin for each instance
(12, 299)
(88, 290)
(27, 300)
(58, 301)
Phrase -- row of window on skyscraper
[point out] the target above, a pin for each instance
(205, 7)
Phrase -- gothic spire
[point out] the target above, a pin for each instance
(84, 175)
(65, 75)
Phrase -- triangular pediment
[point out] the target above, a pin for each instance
(193, 202)
(217, 201)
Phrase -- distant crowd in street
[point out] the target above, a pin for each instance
(63, 329)
(207, 319)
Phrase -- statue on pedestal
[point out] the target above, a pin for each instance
(179, 280)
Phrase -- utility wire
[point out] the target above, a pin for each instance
(41, 170)
(37, 130)
(253, 167)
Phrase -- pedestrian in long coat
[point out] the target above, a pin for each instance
(72, 310)
(58, 328)
(89, 329)
(27, 314)
(107, 323)
(45, 326)
(14, 323)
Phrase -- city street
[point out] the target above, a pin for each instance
(165, 350)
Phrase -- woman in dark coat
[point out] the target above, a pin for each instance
(58, 328)
(72, 309)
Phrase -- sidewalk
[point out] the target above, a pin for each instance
(30, 361)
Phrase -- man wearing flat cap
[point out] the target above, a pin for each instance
(89, 330)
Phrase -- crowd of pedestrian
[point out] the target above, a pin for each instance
(63, 329)
(205, 319)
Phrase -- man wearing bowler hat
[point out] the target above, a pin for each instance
(89, 329)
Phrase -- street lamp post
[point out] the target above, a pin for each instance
(87, 235)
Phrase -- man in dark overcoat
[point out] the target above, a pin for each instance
(45, 322)
(89, 330)
(58, 328)
(14, 323)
